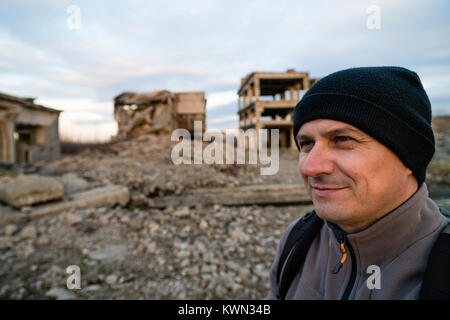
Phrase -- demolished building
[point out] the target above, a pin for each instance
(267, 101)
(158, 112)
(28, 131)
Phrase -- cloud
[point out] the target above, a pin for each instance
(217, 99)
(208, 46)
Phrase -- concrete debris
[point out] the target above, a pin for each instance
(157, 112)
(72, 183)
(25, 190)
(111, 279)
(108, 195)
(237, 196)
(109, 252)
(59, 294)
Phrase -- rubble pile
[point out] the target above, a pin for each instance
(144, 165)
(137, 114)
(133, 251)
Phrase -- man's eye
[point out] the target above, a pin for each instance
(305, 144)
(343, 138)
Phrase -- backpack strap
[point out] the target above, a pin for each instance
(436, 283)
(295, 250)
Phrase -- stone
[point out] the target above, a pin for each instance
(203, 225)
(54, 269)
(140, 248)
(59, 294)
(71, 219)
(27, 251)
(182, 254)
(193, 271)
(93, 287)
(103, 220)
(29, 232)
(10, 229)
(42, 241)
(182, 213)
(72, 183)
(111, 279)
(244, 275)
(238, 234)
(153, 227)
(125, 219)
(209, 268)
(109, 252)
(26, 209)
(25, 190)
(151, 247)
(135, 224)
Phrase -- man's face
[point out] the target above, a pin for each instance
(352, 178)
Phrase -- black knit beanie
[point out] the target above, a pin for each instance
(388, 103)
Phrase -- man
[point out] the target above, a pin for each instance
(365, 140)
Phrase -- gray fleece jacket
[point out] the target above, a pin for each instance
(398, 244)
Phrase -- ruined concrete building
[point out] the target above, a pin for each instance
(158, 112)
(28, 131)
(267, 101)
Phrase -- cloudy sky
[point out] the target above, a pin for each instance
(77, 55)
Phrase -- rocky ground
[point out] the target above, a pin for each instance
(137, 252)
(202, 252)
(178, 253)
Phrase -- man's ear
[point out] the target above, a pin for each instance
(411, 176)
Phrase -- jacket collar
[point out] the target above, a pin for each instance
(384, 240)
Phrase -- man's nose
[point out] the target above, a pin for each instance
(316, 162)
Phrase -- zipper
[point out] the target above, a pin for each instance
(344, 243)
(339, 265)
(282, 269)
(351, 282)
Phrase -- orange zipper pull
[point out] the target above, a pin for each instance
(339, 265)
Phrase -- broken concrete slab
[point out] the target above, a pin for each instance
(237, 196)
(103, 196)
(24, 190)
(108, 195)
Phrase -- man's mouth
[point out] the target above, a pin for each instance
(323, 191)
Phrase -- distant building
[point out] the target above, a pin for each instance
(158, 112)
(190, 107)
(28, 131)
(267, 101)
